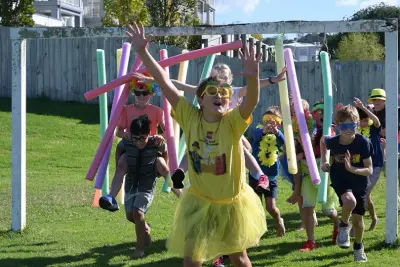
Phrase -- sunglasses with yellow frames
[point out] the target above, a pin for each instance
(212, 89)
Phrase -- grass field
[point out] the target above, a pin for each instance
(63, 229)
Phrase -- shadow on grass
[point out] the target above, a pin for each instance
(86, 113)
(101, 255)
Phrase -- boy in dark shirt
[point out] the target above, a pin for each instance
(349, 173)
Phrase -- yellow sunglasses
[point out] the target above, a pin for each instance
(212, 89)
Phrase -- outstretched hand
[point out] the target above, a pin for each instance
(280, 77)
(136, 37)
(250, 63)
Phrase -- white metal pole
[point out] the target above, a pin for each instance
(391, 86)
(18, 134)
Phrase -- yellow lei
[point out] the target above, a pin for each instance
(268, 154)
(366, 131)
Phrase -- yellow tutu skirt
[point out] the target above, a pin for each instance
(204, 229)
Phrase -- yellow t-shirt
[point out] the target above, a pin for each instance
(215, 152)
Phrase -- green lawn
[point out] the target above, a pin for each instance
(63, 229)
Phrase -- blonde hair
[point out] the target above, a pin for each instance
(347, 113)
(217, 72)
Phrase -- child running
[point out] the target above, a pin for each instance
(143, 152)
(349, 173)
(220, 213)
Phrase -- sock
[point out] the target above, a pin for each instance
(342, 224)
(357, 246)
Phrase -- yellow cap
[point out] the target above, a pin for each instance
(377, 94)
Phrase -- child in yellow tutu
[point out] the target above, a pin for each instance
(220, 213)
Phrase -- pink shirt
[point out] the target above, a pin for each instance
(130, 112)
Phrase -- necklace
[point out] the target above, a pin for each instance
(268, 154)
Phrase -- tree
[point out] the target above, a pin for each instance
(380, 11)
(360, 46)
(166, 13)
(121, 12)
(16, 13)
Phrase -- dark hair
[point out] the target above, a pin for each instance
(318, 103)
(362, 114)
(140, 125)
(202, 85)
(273, 110)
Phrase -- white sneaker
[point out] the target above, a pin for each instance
(343, 239)
(359, 255)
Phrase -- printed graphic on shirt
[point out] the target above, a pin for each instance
(356, 158)
(205, 158)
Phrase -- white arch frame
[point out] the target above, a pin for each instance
(19, 36)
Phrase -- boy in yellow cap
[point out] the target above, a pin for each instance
(378, 101)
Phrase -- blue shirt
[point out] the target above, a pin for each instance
(360, 149)
(280, 141)
(375, 138)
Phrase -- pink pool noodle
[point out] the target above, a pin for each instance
(169, 129)
(298, 107)
(165, 63)
(111, 125)
(126, 49)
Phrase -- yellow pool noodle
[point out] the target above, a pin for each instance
(121, 193)
(183, 68)
(285, 107)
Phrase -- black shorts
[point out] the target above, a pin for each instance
(273, 187)
(360, 194)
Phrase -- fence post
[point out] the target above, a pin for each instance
(224, 39)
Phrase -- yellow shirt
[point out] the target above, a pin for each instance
(215, 152)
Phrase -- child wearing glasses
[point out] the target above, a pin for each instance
(142, 106)
(309, 191)
(268, 142)
(219, 213)
(352, 164)
(143, 153)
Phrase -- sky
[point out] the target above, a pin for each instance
(234, 11)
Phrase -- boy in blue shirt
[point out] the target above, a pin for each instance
(268, 141)
(349, 173)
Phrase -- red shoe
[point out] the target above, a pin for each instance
(263, 184)
(334, 236)
(219, 262)
(309, 245)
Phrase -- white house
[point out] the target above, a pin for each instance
(304, 51)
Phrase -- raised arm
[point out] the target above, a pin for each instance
(251, 71)
(138, 39)
(372, 116)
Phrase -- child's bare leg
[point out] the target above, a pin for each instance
(301, 211)
(140, 227)
(309, 222)
(120, 171)
(358, 225)
(275, 213)
(240, 259)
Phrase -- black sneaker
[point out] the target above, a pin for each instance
(177, 179)
(107, 204)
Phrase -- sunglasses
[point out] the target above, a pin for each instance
(139, 93)
(138, 139)
(347, 126)
(225, 91)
